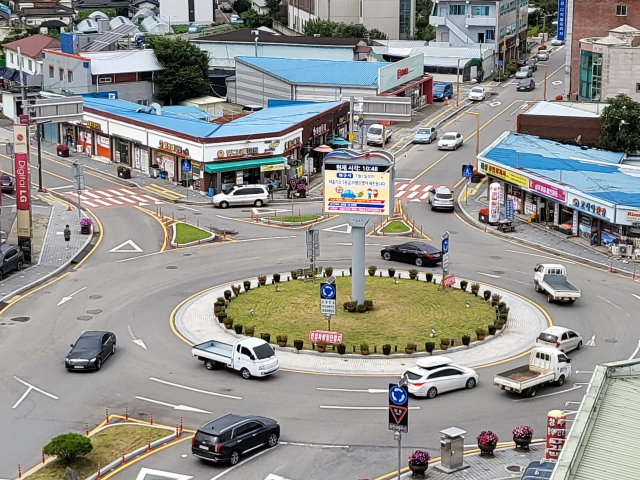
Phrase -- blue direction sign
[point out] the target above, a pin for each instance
(327, 291)
(398, 408)
(445, 245)
(397, 395)
(467, 171)
(186, 165)
(327, 299)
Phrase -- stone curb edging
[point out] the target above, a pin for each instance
(379, 231)
(293, 224)
(173, 243)
(345, 273)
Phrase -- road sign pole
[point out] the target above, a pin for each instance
(399, 453)
(466, 192)
(328, 317)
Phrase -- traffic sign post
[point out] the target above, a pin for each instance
(327, 299)
(399, 415)
(467, 172)
(445, 254)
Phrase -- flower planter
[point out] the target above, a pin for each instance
(282, 344)
(429, 346)
(480, 337)
(342, 349)
(418, 469)
(85, 229)
(222, 317)
(298, 344)
(238, 329)
(320, 349)
(466, 341)
(228, 325)
(486, 450)
(444, 347)
(413, 276)
(386, 350)
(364, 352)
(522, 442)
(408, 351)
(492, 330)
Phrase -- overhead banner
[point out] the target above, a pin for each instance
(562, 20)
(504, 174)
(494, 202)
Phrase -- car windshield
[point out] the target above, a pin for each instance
(438, 88)
(201, 436)
(424, 131)
(524, 81)
(376, 130)
(263, 351)
(476, 90)
(86, 343)
(449, 136)
(547, 337)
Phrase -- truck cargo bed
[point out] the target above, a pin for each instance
(519, 374)
(558, 283)
(217, 348)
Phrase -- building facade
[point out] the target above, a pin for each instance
(591, 18)
(29, 60)
(396, 18)
(182, 12)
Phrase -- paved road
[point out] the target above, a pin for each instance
(136, 297)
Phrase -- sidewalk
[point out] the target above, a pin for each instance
(196, 322)
(54, 257)
(538, 235)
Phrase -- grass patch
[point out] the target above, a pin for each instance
(303, 218)
(180, 29)
(188, 233)
(107, 447)
(396, 226)
(403, 313)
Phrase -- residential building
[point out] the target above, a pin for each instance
(34, 13)
(128, 72)
(30, 59)
(610, 65)
(501, 25)
(259, 6)
(182, 12)
(396, 18)
(591, 18)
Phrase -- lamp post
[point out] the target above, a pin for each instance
(545, 82)
(458, 81)
(477, 115)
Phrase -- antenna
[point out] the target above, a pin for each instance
(578, 139)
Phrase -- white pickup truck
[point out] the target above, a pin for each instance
(551, 279)
(546, 365)
(252, 357)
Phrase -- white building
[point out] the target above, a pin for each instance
(396, 18)
(30, 59)
(183, 12)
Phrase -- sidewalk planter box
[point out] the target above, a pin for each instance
(85, 229)
(62, 150)
(483, 218)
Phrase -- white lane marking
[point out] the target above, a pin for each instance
(637, 296)
(264, 238)
(184, 206)
(226, 218)
(135, 340)
(575, 387)
(518, 281)
(399, 194)
(541, 256)
(117, 192)
(591, 343)
(368, 390)
(337, 407)
(90, 204)
(93, 195)
(206, 392)
(138, 199)
(184, 408)
(30, 387)
(161, 473)
(635, 352)
(415, 187)
(427, 188)
(338, 228)
(586, 372)
(127, 200)
(220, 475)
(403, 186)
(488, 275)
(155, 200)
(424, 196)
(610, 302)
(141, 256)
(509, 269)
(66, 299)
(117, 202)
(103, 192)
(106, 204)
(412, 194)
(60, 188)
(316, 445)
(133, 248)
(556, 82)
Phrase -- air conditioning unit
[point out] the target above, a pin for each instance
(88, 150)
(79, 148)
(625, 251)
(112, 96)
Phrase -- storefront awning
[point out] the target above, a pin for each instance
(217, 167)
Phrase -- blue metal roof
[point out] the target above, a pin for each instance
(278, 116)
(597, 173)
(188, 112)
(326, 72)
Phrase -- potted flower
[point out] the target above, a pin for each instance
(495, 298)
(364, 348)
(266, 337)
(282, 340)
(413, 274)
(228, 294)
(475, 288)
(62, 150)
(262, 279)
(487, 441)
(522, 436)
(298, 344)
(350, 306)
(409, 348)
(368, 304)
(500, 324)
(238, 328)
(85, 226)
(429, 277)
(483, 215)
(429, 346)
(463, 285)
(466, 340)
(328, 271)
(235, 289)
(222, 316)
(444, 343)
(276, 277)
(247, 285)
(392, 272)
(487, 295)
(372, 270)
(419, 462)
(228, 322)
(294, 274)
(492, 329)
(480, 333)
(217, 308)
(342, 348)
(321, 346)
(386, 349)
(248, 331)
(362, 308)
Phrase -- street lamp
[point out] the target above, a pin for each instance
(545, 81)
(477, 134)
(458, 80)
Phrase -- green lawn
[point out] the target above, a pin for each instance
(107, 447)
(403, 313)
(303, 218)
(396, 226)
(186, 233)
(180, 29)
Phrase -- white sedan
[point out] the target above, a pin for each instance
(450, 141)
(477, 94)
(435, 375)
(564, 339)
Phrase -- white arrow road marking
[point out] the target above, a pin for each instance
(591, 343)
(66, 299)
(135, 340)
(344, 228)
(222, 474)
(368, 390)
(637, 296)
(575, 387)
(194, 389)
(635, 352)
(133, 248)
(160, 473)
(488, 275)
(273, 476)
(31, 387)
(336, 407)
(183, 408)
(584, 372)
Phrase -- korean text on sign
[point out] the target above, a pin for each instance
(322, 336)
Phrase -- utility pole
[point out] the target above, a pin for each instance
(545, 81)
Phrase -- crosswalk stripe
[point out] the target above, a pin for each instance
(116, 192)
(412, 194)
(127, 199)
(423, 197)
(138, 199)
(89, 204)
(402, 187)
(153, 199)
(427, 188)
(89, 194)
(117, 202)
(399, 194)
(415, 187)
(104, 193)
(98, 201)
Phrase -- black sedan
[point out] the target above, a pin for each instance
(526, 84)
(227, 438)
(11, 258)
(418, 253)
(8, 184)
(90, 351)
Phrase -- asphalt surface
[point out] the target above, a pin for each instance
(137, 296)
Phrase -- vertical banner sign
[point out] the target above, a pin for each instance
(398, 408)
(562, 20)
(556, 435)
(494, 202)
(23, 191)
(508, 209)
(445, 254)
(556, 213)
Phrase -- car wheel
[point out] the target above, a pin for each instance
(418, 262)
(549, 299)
(224, 204)
(246, 374)
(432, 393)
(19, 267)
(579, 345)
(560, 381)
(258, 203)
(99, 364)
(532, 392)
(273, 440)
(234, 458)
(386, 256)
(471, 383)
(209, 364)
(537, 287)
(1, 274)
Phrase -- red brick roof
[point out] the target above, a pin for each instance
(33, 45)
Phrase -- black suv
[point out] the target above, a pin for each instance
(226, 438)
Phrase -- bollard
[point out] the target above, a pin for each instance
(210, 229)
(198, 222)
(485, 228)
(43, 455)
(19, 471)
(198, 242)
(634, 274)
(268, 220)
(177, 432)
(107, 415)
(300, 221)
(251, 215)
(611, 266)
(282, 223)
(149, 444)
(180, 424)
(98, 477)
(420, 229)
(126, 413)
(151, 418)
(173, 218)
(219, 239)
(177, 246)
(86, 429)
(123, 460)
(224, 234)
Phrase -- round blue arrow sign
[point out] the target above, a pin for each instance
(397, 395)
(445, 245)
(328, 291)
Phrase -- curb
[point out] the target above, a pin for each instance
(294, 224)
(173, 243)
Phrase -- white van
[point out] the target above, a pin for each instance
(256, 195)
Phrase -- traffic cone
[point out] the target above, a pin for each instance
(446, 101)
(68, 207)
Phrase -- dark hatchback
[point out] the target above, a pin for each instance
(90, 351)
(11, 258)
(526, 84)
(226, 439)
(8, 184)
(418, 253)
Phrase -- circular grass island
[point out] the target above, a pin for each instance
(404, 313)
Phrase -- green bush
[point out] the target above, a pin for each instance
(68, 447)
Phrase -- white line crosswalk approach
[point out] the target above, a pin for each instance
(412, 192)
(114, 197)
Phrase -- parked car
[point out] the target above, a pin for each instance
(450, 141)
(442, 90)
(91, 350)
(524, 72)
(374, 134)
(256, 195)
(532, 63)
(11, 258)
(441, 198)
(477, 94)
(542, 55)
(195, 28)
(8, 184)
(235, 20)
(227, 438)
(556, 43)
(425, 135)
(432, 376)
(526, 85)
(418, 253)
(561, 338)
(225, 7)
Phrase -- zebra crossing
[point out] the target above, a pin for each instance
(412, 192)
(113, 197)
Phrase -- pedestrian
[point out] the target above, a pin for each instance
(270, 187)
(67, 236)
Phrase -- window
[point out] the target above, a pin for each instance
(245, 351)
(50, 71)
(70, 76)
(143, 102)
(24, 63)
(480, 11)
(456, 9)
(30, 65)
(637, 87)
(621, 10)
(444, 37)
(12, 57)
(61, 74)
(489, 35)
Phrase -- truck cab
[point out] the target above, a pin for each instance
(255, 355)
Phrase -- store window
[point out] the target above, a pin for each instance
(50, 71)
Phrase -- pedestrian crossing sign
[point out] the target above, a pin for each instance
(467, 171)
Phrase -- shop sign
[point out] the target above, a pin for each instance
(547, 190)
(319, 130)
(504, 174)
(590, 207)
(172, 148)
(397, 73)
(323, 336)
(238, 152)
(272, 168)
(494, 202)
(343, 119)
(272, 146)
(556, 434)
(94, 126)
(633, 216)
(293, 143)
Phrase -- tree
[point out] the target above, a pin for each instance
(19, 33)
(68, 447)
(375, 34)
(253, 19)
(84, 14)
(424, 31)
(620, 121)
(326, 28)
(186, 68)
(275, 9)
(241, 6)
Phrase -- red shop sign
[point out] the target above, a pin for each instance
(556, 434)
(22, 181)
(322, 336)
